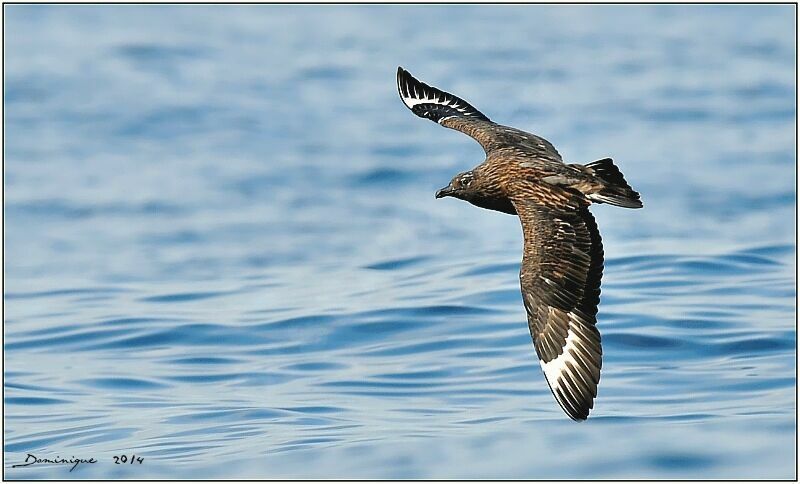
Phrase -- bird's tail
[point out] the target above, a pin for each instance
(617, 191)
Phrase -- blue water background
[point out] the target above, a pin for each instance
(222, 250)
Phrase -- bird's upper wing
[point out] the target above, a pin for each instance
(560, 277)
(453, 112)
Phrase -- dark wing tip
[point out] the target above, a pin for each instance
(401, 80)
(575, 409)
(404, 80)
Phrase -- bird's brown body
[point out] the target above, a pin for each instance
(525, 166)
(562, 261)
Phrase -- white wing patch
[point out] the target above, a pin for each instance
(429, 98)
(554, 368)
(425, 98)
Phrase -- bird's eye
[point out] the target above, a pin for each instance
(466, 180)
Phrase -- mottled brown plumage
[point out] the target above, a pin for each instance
(562, 261)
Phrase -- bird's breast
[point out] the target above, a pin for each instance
(498, 204)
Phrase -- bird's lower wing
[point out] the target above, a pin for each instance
(560, 278)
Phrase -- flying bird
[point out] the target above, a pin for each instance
(562, 259)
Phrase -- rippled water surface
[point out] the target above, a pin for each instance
(223, 254)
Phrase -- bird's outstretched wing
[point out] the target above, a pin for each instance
(453, 112)
(560, 277)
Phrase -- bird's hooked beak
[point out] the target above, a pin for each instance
(445, 192)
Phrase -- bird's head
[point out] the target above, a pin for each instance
(461, 186)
